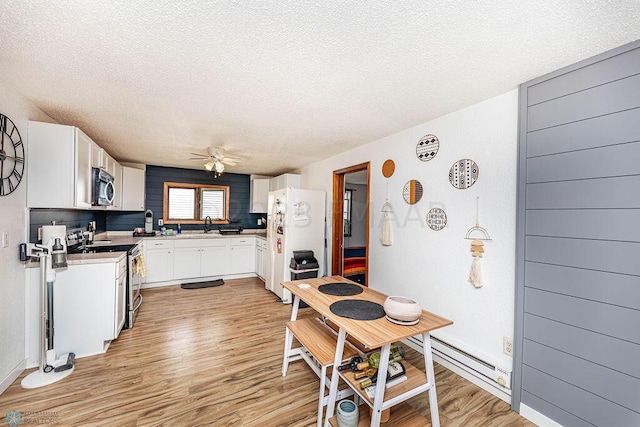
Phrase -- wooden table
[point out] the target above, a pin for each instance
(374, 334)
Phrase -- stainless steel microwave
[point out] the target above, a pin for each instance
(103, 189)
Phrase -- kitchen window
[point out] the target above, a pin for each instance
(193, 203)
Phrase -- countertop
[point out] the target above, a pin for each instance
(79, 259)
(110, 238)
(125, 237)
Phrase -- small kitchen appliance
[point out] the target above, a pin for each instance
(52, 253)
(148, 221)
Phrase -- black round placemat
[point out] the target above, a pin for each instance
(357, 309)
(340, 289)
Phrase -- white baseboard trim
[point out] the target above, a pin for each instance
(536, 417)
(474, 379)
(11, 377)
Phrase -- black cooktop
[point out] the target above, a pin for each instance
(100, 249)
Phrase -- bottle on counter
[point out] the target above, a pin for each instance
(179, 229)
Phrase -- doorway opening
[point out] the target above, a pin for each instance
(350, 236)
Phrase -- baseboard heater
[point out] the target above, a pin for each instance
(497, 379)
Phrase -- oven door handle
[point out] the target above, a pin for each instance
(139, 303)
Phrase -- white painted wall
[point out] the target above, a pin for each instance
(13, 220)
(433, 267)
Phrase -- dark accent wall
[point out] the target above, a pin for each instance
(156, 176)
(239, 202)
(577, 334)
(72, 218)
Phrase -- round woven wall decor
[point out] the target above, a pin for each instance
(412, 192)
(464, 173)
(427, 147)
(436, 219)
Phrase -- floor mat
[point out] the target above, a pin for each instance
(198, 285)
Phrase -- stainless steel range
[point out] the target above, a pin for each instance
(134, 284)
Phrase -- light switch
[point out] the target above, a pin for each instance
(5, 239)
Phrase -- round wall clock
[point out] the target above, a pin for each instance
(427, 147)
(11, 156)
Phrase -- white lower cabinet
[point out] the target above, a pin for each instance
(242, 255)
(181, 259)
(121, 296)
(158, 256)
(89, 308)
(261, 246)
(200, 258)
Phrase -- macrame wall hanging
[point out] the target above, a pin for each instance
(386, 238)
(478, 236)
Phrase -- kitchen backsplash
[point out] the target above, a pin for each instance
(239, 201)
(72, 218)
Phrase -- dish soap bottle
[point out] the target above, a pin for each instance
(179, 229)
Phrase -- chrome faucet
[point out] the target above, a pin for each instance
(206, 225)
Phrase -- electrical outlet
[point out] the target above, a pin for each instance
(160, 222)
(5, 239)
(507, 346)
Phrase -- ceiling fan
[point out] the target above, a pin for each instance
(216, 159)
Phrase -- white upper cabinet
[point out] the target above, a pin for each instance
(117, 186)
(259, 195)
(287, 180)
(133, 182)
(96, 155)
(58, 167)
(60, 159)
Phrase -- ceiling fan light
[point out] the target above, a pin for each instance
(219, 167)
(209, 166)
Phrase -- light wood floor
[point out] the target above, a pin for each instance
(212, 357)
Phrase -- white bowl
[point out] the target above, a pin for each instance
(402, 309)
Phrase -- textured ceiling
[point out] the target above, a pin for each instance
(283, 83)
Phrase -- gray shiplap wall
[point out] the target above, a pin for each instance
(578, 252)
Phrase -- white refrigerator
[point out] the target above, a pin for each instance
(295, 222)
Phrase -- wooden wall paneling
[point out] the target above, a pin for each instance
(601, 255)
(615, 67)
(590, 407)
(621, 289)
(615, 128)
(616, 354)
(608, 98)
(564, 418)
(602, 381)
(598, 317)
(622, 224)
(602, 162)
(600, 194)
(577, 249)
